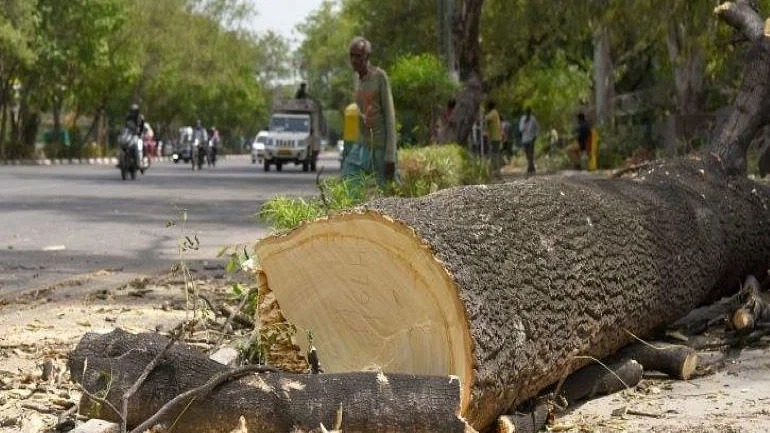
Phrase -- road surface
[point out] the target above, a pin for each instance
(66, 224)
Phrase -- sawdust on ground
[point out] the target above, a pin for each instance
(38, 329)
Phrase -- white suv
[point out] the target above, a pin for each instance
(258, 147)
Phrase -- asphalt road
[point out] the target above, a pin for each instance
(70, 224)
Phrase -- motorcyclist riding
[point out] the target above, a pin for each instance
(200, 139)
(130, 159)
(135, 125)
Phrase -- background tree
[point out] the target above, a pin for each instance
(325, 64)
(420, 83)
(86, 61)
(18, 20)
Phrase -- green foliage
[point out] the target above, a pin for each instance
(188, 59)
(17, 36)
(555, 91)
(422, 170)
(180, 59)
(284, 212)
(382, 22)
(323, 56)
(420, 84)
(618, 143)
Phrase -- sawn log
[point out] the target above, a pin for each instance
(107, 365)
(506, 285)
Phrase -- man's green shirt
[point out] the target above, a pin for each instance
(377, 119)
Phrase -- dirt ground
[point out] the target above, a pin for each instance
(38, 329)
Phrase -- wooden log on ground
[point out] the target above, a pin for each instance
(740, 311)
(674, 360)
(108, 365)
(601, 379)
(702, 318)
(755, 307)
(525, 422)
(504, 285)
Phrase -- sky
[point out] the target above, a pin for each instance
(282, 15)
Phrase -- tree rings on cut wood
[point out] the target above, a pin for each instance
(384, 289)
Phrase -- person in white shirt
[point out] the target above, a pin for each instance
(529, 128)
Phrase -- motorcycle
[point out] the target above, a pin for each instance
(131, 158)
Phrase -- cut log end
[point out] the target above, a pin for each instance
(689, 366)
(527, 422)
(373, 280)
(742, 319)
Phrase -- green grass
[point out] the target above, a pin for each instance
(422, 170)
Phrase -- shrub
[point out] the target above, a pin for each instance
(422, 170)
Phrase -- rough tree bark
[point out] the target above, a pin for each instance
(108, 365)
(604, 82)
(752, 104)
(504, 285)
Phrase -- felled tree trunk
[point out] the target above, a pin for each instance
(504, 285)
(108, 365)
(511, 286)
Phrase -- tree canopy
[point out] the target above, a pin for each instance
(541, 53)
(79, 65)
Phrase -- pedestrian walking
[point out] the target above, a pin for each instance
(529, 128)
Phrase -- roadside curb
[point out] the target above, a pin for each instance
(107, 161)
(61, 161)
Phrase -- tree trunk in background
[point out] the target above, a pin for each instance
(3, 115)
(465, 35)
(749, 114)
(604, 83)
(688, 64)
(101, 130)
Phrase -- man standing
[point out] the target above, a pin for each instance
(375, 150)
(494, 136)
(529, 128)
(301, 92)
(579, 154)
